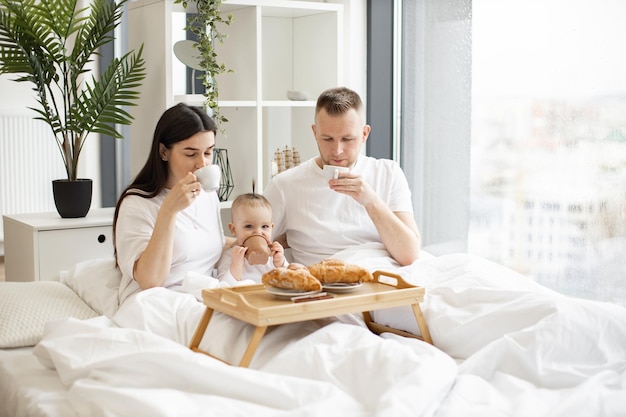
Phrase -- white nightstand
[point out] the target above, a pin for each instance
(39, 245)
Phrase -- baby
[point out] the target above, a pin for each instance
(251, 217)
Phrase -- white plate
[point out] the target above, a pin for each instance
(339, 287)
(287, 294)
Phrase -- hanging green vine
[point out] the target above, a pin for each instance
(204, 24)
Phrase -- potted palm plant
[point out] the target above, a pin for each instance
(51, 44)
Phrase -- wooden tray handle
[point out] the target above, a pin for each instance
(231, 298)
(389, 278)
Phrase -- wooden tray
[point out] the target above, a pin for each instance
(254, 305)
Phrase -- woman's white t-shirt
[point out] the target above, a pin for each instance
(198, 238)
(320, 222)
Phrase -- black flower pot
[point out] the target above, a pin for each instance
(72, 198)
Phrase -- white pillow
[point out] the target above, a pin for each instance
(97, 282)
(25, 307)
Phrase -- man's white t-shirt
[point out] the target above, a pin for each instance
(198, 238)
(320, 222)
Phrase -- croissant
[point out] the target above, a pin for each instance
(294, 277)
(330, 271)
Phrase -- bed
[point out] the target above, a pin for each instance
(503, 346)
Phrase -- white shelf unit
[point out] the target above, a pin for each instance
(272, 46)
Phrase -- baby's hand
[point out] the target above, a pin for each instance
(278, 254)
(236, 261)
(238, 254)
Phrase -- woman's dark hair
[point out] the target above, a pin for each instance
(176, 124)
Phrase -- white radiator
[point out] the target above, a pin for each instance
(29, 161)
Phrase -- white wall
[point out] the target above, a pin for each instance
(355, 45)
(15, 96)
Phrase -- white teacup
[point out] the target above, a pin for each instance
(209, 176)
(331, 172)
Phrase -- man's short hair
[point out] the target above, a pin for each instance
(339, 100)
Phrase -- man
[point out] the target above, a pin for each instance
(317, 217)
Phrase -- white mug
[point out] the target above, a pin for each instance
(331, 172)
(209, 176)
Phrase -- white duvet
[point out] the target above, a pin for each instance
(505, 346)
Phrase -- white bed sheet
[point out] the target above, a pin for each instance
(27, 388)
(312, 369)
(505, 346)
(523, 349)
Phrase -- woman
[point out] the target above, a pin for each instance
(165, 225)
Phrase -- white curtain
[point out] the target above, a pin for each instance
(435, 132)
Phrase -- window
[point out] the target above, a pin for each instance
(514, 135)
(549, 125)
